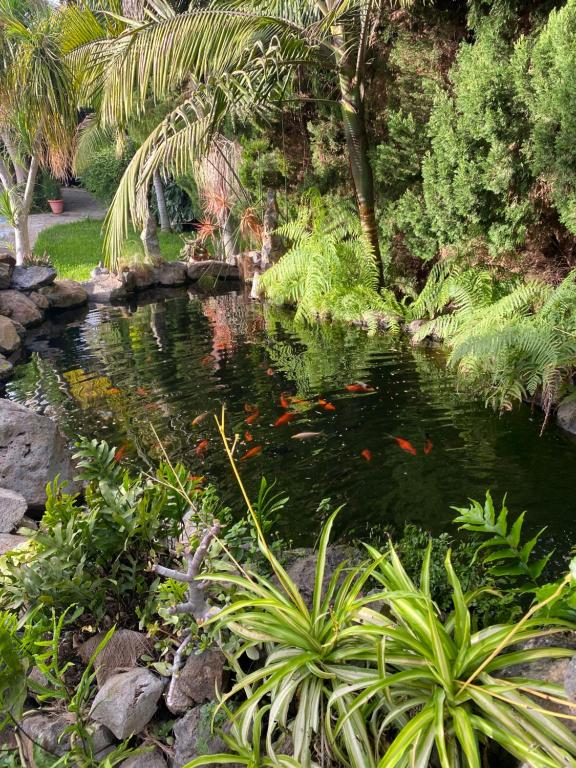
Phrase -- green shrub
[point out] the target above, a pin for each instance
(102, 171)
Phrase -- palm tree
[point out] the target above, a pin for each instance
(37, 117)
(232, 58)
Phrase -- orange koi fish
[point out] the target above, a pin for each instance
(142, 391)
(428, 445)
(253, 416)
(196, 478)
(366, 454)
(284, 401)
(284, 419)
(252, 452)
(248, 437)
(270, 372)
(329, 407)
(249, 408)
(322, 402)
(406, 445)
(359, 386)
(200, 418)
(120, 452)
(201, 449)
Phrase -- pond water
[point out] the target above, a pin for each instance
(115, 372)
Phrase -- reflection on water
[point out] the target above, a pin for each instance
(116, 372)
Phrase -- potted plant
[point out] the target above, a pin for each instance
(53, 195)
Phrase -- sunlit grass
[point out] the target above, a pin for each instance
(75, 249)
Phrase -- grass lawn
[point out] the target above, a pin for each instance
(75, 249)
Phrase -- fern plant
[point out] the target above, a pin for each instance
(330, 271)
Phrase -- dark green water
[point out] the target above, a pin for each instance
(114, 372)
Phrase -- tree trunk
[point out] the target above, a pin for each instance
(21, 238)
(271, 243)
(161, 201)
(149, 237)
(227, 230)
(21, 210)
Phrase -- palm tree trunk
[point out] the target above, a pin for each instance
(149, 238)
(227, 230)
(161, 202)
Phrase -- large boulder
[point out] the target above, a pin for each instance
(198, 680)
(32, 452)
(13, 507)
(153, 759)
(121, 652)
(6, 368)
(64, 294)
(7, 257)
(48, 731)
(566, 416)
(219, 270)
(40, 301)
(104, 288)
(5, 275)
(9, 338)
(20, 308)
(127, 701)
(193, 737)
(32, 278)
(171, 273)
(10, 542)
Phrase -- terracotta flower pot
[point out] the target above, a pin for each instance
(57, 206)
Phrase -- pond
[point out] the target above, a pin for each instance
(116, 372)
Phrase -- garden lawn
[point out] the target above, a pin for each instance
(76, 248)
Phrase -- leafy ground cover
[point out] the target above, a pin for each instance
(75, 249)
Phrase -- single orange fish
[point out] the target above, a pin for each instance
(120, 452)
(248, 437)
(196, 478)
(142, 392)
(406, 445)
(252, 418)
(428, 445)
(113, 391)
(359, 386)
(284, 419)
(200, 418)
(284, 401)
(322, 402)
(201, 449)
(249, 408)
(270, 372)
(252, 452)
(329, 407)
(366, 454)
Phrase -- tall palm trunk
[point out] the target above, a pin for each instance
(161, 201)
(20, 204)
(354, 123)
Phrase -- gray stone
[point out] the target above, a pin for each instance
(144, 276)
(566, 416)
(5, 275)
(13, 507)
(171, 273)
(9, 542)
(6, 257)
(17, 306)
(198, 680)
(47, 731)
(32, 452)
(6, 368)
(301, 567)
(9, 338)
(32, 278)
(193, 737)
(127, 701)
(40, 301)
(212, 268)
(106, 288)
(154, 759)
(64, 294)
(121, 652)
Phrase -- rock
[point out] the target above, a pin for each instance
(40, 300)
(12, 510)
(171, 273)
(6, 368)
(144, 276)
(47, 731)
(566, 416)
(127, 701)
(5, 275)
(212, 268)
(198, 680)
(32, 278)
(9, 338)
(561, 672)
(154, 759)
(32, 452)
(106, 288)
(193, 737)
(7, 258)
(20, 308)
(301, 567)
(9, 542)
(64, 294)
(122, 652)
